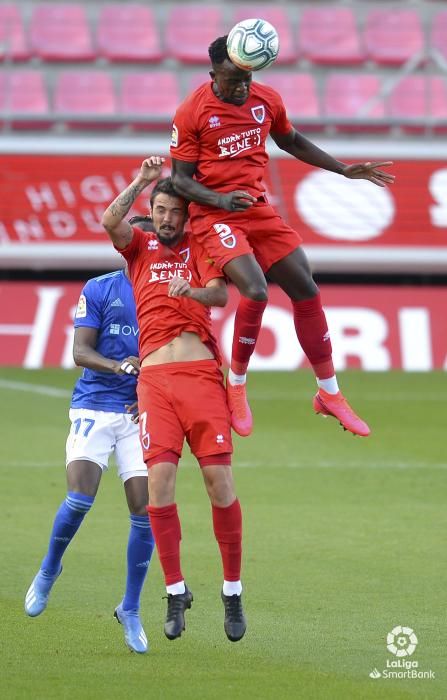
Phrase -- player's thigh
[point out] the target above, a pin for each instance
(160, 428)
(91, 437)
(135, 488)
(293, 274)
(83, 476)
(246, 273)
(202, 407)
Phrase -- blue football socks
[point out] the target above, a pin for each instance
(139, 552)
(66, 523)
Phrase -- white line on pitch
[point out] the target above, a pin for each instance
(53, 391)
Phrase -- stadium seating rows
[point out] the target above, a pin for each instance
(324, 71)
(79, 94)
(130, 32)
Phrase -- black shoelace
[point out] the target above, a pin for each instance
(233, 607)
(176, 605)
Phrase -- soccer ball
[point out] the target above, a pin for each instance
(253, 44)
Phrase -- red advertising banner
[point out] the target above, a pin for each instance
(51, 208)
(372, 328)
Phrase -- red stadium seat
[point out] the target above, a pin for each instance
(13, 43)
(393, 36)
(418, 98)
(329, 35)
(84, 94)
(190, 30)
(128, 33)
(298, 92)
(349, 98)
(137, 97)
(439, 34)
(23, 97)
(279, 18)
(60, 32)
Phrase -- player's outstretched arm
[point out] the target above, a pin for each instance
(300, 147)
(186, 186)
(85, 355)
(120, 231)
(213, 294)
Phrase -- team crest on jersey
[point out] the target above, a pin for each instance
(185, 254)
(213, 122)
(258, 113)
(174, 136)
(81, 309)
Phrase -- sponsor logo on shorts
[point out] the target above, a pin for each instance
(219, 439)
(327, 336)
(227, 238)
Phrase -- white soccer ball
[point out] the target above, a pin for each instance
(253, 44)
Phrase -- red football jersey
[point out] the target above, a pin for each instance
(160, 317)
(228, 141)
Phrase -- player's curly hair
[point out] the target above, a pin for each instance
(217, 51)
(165, 186)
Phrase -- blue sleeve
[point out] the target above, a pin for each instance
(89, 309)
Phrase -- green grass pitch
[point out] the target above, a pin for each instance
(344, 538)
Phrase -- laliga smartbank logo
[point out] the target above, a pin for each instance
(401, 642)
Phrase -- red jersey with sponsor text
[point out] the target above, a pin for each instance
(228, 141)
(151, 267)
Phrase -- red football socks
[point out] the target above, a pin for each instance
(313, 335)
(227, 523)
(167, 532)
(247, 325)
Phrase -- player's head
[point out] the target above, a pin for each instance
(169, 212)
(143, 222)
(231, 84)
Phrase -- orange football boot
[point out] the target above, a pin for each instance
(337, 406)
(241, 418)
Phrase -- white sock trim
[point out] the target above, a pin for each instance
(236, 378)
(330, 385)
(232, 588)
(176, 588)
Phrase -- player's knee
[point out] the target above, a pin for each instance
(256, 291)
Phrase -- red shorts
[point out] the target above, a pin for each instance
(259, 230)
(184, 399)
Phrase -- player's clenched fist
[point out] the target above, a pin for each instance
(236, 201)
(151, 168)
